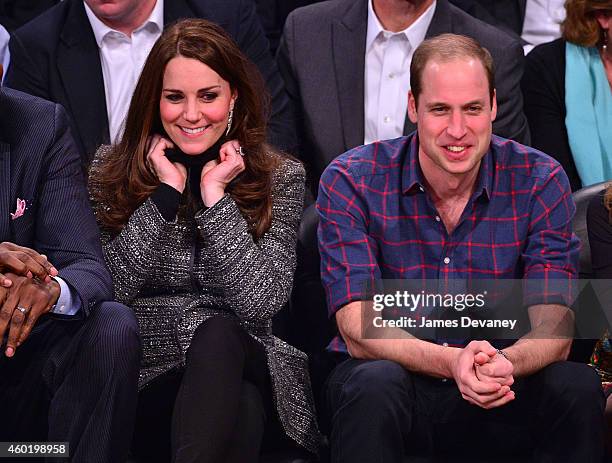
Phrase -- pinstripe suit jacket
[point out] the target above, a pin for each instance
(40, 164)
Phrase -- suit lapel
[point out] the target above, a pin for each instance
(348, 38)
(78, 62)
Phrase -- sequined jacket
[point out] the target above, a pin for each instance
(174, 275)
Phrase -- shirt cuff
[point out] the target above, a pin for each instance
(167, 200)
(68, 302)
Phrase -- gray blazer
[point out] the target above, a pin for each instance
(155, 265)
(322, 58)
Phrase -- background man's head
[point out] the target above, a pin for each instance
(452, 101)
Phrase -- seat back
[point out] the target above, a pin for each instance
(586, 306)
(311, 328)
(582, 198)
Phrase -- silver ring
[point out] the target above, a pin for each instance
(239, 151)
(23, 310)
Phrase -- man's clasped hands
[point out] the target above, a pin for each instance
(27, 291)
(484, 375)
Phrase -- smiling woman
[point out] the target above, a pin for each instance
(199, 220)
(194, 116)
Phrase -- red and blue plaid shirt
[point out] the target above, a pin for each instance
(378, 222)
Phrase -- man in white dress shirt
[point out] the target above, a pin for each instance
(346, 68)
(125, 38)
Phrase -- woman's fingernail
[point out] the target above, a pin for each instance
(9, 351)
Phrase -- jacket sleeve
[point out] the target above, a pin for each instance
(66, 230)
(133, 253)
(256, 277)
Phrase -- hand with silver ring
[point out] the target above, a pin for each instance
(219, 172)
(23, 310)
(22, 304)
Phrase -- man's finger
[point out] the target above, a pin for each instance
(507, 397)
(10, 261)
(38, 264)
(40, 307)
(483, 374)
(18, 318)
(481, 358)
(6, 313)
(40, 259)
(31, 265)
(503, 380)
(481, 387)
(482, 346)
(484, 399)
(4, 281)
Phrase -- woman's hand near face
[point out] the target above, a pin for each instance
(170, 173)
(218, 173)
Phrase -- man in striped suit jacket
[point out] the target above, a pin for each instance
(68, 361)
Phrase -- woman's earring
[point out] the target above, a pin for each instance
(604, 47)
(229, 121)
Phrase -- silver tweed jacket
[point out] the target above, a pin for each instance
(175, 275)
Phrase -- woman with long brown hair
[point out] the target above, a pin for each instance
(199, 220)
(567, 90)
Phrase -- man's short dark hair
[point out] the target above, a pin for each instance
(445, 48)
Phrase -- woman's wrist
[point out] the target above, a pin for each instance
(177, 184)
(211, 194)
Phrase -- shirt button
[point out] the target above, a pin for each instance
(446, 260)
(437, 218)
(391, 76)
(386, 119)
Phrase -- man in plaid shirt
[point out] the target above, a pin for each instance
(452, 202)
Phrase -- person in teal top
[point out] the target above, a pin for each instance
(568, 97)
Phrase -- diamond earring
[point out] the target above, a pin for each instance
(229, 121)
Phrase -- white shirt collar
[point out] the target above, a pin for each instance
(415, 33)
(101, 30)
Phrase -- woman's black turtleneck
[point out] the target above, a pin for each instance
(166, 198)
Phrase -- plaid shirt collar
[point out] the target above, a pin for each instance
(413, 180)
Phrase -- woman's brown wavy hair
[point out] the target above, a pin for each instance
(124, 182)
(580, 25)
